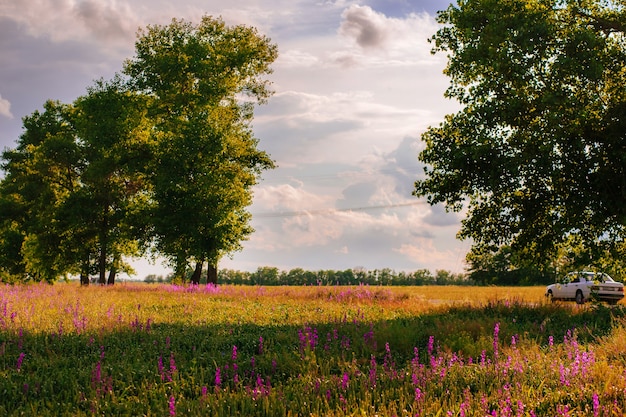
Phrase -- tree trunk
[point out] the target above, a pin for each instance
(84, 272)
(112, 274)
(102, 263)
(195, 278)
(211, 275)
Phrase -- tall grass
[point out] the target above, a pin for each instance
(161, 350)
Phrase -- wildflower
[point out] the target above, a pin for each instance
(172, 364)
(416, 357)
(234, 355)
(204, 392)
(172, 406)
(419, 395)
(161, 368)
(496, 332)
(596, 405)
(96, 375)
(20, 359)
(260, 345)
(344, 381)
(373, 370)
(218, 377)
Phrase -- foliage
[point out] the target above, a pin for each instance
(272, 276)
(207, 159)
(205, 350)
(161, 161)
(536, 155)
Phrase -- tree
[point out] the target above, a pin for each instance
(71, 185)
(537, 153)
(41, 172)
(204, 81)
(113, 134)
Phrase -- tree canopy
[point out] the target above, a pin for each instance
(536, 157)
(162, 158)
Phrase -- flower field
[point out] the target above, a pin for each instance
(165, 350)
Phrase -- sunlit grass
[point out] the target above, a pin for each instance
(138, 349)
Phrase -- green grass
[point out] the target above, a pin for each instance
(159, 350)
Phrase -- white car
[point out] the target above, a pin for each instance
(583, 286)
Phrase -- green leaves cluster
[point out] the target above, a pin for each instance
(159, 160)
(537, 154)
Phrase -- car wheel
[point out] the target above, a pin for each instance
(579, 297)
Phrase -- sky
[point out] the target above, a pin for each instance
(355, 86)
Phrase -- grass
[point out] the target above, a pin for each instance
(157, 350)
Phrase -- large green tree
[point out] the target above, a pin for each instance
(40, 173)
(204, 81)
(537, 154)
(113, 134)
(72, 183)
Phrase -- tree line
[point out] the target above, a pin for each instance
(158, 161)
(271, 276)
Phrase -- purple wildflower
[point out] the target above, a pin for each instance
(172, 406)
(344, 381)
(218, 377)
(20, 359)
(161, 368)
(496, 333)
(419, 395)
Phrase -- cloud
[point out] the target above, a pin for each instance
(65, 20)
(365, 26)
(424, 253)
(5, 108)
(105, 20)
(401, 41)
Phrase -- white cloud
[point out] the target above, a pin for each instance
(423, 252)
(5, 108)
(65, 20)
(385, 41)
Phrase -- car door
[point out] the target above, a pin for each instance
(560, 288)
(571, 282)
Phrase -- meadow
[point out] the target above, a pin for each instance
(166, 350)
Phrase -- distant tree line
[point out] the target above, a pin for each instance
(269, 276)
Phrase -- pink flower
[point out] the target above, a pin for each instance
(20, 359)
(172, 406)
(344, 381)
(218, 377)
